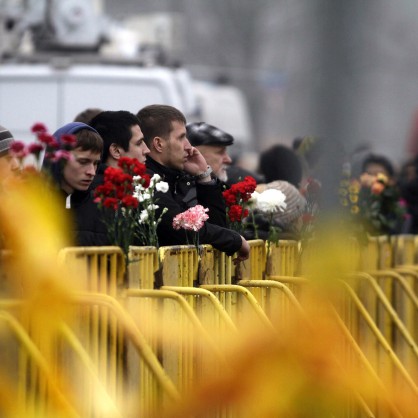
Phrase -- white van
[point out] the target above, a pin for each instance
(52, 95)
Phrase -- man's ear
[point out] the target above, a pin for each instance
(114, 151)
(158, 143)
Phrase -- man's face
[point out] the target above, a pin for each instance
(137, 147)
(177, 147)
(79, 172)
(217, 157)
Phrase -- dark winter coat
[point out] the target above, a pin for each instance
(184, 193)
(88, 228)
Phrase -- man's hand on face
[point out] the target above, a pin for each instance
(196, 163)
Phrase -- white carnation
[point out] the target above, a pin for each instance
(162, 187)
(271, 201)
(142, 196)
(154, 180)
(143, 216)
(139, 187)
(152, 207)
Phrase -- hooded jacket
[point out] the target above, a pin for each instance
(88, 227)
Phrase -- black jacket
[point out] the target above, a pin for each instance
(184, 193)
(88, 228)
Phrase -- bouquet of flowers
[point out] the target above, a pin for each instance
(127, 200)
(373, 203)
(237, 202)
(192, 220)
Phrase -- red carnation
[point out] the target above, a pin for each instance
(235, 213)
(35, 148)
(46, 138)
(110, 202)
(129, 201)
(38, 128)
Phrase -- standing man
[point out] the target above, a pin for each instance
(186, 171)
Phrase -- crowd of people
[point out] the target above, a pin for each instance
(194, 160)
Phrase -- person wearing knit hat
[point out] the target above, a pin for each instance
(288, 221)
(6, 140)
(73, 178)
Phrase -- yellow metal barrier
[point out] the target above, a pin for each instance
(372, 341)
(403, 282)
(31, 383)
(218, 309)
(405, 299)
(179, 265)
(146, 392)
(89, 379)
(143, 263)
(186, 348)
(102, 269)
(278, 300)
(215, 266)
(377, 254)
(405, 249)
(254, 268)
(238, 311)
(283, 259)
(355, 353)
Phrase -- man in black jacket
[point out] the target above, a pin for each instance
(189, 178)
(74, 176)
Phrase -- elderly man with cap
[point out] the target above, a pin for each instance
(212, 143)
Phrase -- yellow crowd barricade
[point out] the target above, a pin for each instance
(92, 383)
(186, 348)
(179, 265)
(376, 346)
(27, 377)
(182, 300)
(254, 268)
(102, 269)
(385, 259)
(283, 259)
(142, 267)
(99, 269)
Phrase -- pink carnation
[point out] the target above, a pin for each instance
(192, 219)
